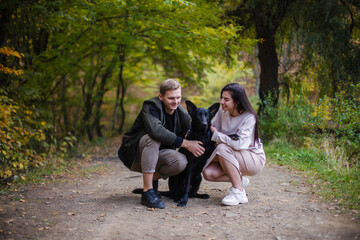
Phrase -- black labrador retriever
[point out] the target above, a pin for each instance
(187, 183)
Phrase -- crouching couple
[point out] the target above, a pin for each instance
(149, 147)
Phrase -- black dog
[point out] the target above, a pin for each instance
(187, 183)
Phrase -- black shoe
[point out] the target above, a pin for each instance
(151, 200)
(158, 194)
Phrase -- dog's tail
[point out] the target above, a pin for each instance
(138, 190)
(141, 190)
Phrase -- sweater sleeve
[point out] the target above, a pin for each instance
(155, 128)
(245, 131)
(216, 120)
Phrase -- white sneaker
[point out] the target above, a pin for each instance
(245, 182)
(235, 197)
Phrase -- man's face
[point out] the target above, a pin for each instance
(171, 100)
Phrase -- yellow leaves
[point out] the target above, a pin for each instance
(10, 52)
(17, 123)
(21, 166)
(28, 112)
(10, 71)
(5, 174)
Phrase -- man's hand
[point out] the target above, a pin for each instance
(193, 146)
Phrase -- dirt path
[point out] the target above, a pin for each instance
(101, 206)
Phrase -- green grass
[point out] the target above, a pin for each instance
(327, 170)
(51, 169)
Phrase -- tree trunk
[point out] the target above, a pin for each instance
(266, 24)
(100, 96)
(123, 88)
(87, 90)
(116, 107)
(64, 110)
(269, 85)
(87, 116)
(5, 18)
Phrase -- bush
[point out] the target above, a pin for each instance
(346, 126)
(293, 121)
(21, 137)
(335, 118)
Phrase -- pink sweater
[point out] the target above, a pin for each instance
(243, 126)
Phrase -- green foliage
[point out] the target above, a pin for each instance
(327, 34)
(104, 46)
(67, 146)
(293, 121)
(21, 137)
(322, 140)
(345, 127)
(336, 118)
(208, 92)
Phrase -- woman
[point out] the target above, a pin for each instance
(239, 151)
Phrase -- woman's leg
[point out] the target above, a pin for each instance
(232, 172)
(221, 170)
(214, 173)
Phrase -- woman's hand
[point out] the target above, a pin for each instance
(212, 128)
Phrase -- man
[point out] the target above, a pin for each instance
(149, 147)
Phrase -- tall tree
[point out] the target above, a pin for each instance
(265, 17)
(324, 32)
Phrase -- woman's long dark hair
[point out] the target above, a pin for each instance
(241, 100)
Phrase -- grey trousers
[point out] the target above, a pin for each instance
(150, 159)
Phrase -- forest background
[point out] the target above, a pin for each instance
(74, 73)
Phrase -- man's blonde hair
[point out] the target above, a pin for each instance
(169, 84)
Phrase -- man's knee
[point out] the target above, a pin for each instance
(175, 165)
(182, 162)
(147, 142)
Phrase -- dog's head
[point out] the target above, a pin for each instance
(201, 117)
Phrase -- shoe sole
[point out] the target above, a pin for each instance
(152, 206)
(233, 204)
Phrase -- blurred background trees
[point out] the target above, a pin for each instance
(73, 71)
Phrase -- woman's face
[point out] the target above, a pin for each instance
(227, 102)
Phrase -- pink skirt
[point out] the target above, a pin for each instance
(247, 162)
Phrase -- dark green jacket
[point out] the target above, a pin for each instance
(151, 120)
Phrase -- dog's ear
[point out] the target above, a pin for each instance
(213, 109)
(190, 107)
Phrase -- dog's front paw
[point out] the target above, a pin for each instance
(182, 203)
